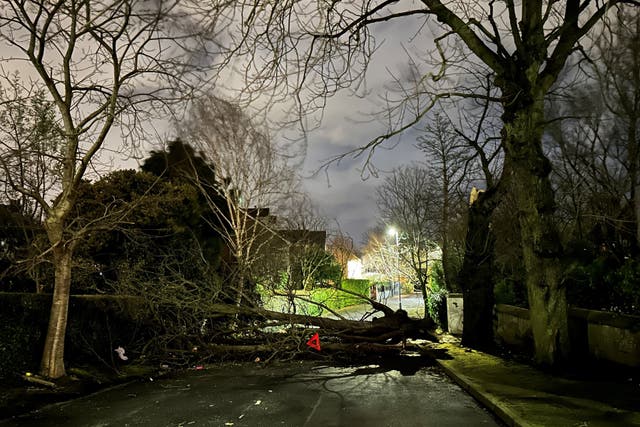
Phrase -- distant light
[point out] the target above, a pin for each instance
(392, 231)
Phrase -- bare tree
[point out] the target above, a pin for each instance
(300, 213)
(378, 257)
(461, 156)
(595, 130)
(408, 200)
(589, 173)
(296, 260)
(30, 138)
(253, 178)
(341, 246)
(449, 160)
(323, 47)
(104, 65)
(304, 230)
(617, 68)
(479, 145)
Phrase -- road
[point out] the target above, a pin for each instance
(293, 394)
(412, 303)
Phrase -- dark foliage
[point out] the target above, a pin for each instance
(98, 324)
(140, 223)
(18, 235)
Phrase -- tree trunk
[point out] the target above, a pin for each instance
(425, 299)
(356, 349)
(632, 148)
(52, 365)
(448, 270)
(446, 266)
(475, 276)
(240, 274)
(637, 209)
(522, 136)
(392, 325)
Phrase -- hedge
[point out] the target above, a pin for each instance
(335, 299)
(96, 325)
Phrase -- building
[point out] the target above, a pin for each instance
(275, 257)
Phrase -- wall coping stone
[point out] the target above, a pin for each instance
(595, 317)
(513, 310)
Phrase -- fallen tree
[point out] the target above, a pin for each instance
(242, 332)
(179, 315)
(392, 324)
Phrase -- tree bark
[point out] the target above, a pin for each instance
(632, 142)
(637, 209)
(356, 348)
(476, 274)
(394, 325)
(52, 364)
(522, 136)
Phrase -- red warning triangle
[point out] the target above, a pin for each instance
(314, 342)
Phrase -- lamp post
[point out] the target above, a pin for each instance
(394, 232)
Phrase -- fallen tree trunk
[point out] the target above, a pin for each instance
(371, 348)
(221, 330)
(393, 324)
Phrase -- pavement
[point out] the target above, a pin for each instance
(521, 395)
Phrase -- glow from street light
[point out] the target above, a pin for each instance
(392, 231)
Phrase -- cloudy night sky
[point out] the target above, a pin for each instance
(345, 192)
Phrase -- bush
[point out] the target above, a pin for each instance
(335, 299)
(436, 294)
(24, 319)
(509, 292)
(626, 288)
(96, 325)
(605, 284)
(359, 286)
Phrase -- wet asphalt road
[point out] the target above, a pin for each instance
(294, 394)
(412, 303)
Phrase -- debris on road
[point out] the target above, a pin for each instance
(120, 352)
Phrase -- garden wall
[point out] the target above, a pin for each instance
(601, 335)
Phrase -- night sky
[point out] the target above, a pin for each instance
(345, 192)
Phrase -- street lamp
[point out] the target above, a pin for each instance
(394, 232)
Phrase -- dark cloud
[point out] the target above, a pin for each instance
(345, 192)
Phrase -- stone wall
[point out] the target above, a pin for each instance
(601, 335)
(455, 309)
(512, 327)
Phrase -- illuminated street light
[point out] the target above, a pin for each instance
(394, 232)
